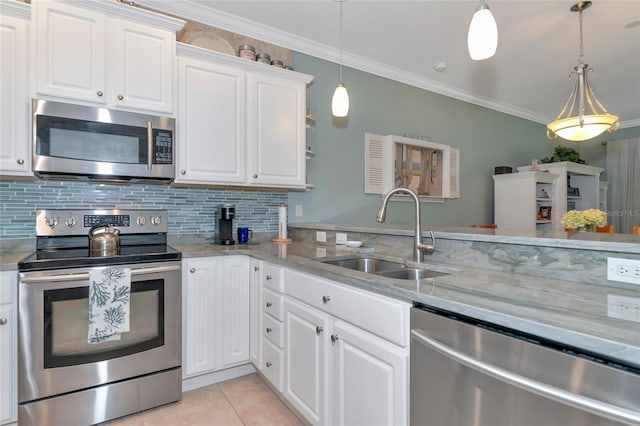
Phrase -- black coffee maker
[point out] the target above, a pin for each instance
(225, 224)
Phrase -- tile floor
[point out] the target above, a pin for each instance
(246, 400)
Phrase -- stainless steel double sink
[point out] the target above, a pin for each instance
(385, 268)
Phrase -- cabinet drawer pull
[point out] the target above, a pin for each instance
(325, 299)
(99, 93)
(269, 329)
(256, 268)
(269, 364)
(319, 329)
(192, 270)
(269, 304)
(20, 161)
(255, 176)
(3, 321)
(334, 338)
(269, 277)
(120, 97)
(183, 172)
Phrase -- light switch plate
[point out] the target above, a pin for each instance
(321, 236)
(341, 237)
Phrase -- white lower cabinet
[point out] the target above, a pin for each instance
(9, 347)
(271, 325)
(337, 373)
(216, 313)
(306, 360)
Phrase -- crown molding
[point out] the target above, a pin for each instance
(187, 9)
(15, 9)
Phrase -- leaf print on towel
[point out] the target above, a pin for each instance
(113, 317)
(99, 293)
(121, 294)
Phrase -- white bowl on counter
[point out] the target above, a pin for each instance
(353, 243)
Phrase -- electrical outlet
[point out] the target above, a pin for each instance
(298, 210)
(341, 238)
(623, 270)
(321, 236)
(623, 307)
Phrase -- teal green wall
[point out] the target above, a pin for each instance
(486, 139)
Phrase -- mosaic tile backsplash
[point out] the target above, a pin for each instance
(191, 210)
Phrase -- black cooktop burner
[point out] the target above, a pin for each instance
(57, 258)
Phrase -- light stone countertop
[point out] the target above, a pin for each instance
(569, 313)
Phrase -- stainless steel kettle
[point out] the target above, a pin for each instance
(104, 240)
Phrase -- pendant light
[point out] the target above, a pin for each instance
(340, 100)
(482, 39)
(583, 117)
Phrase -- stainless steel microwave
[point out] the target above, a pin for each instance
(94, 143)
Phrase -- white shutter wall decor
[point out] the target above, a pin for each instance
(379, 165)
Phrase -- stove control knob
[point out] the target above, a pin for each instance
(155, 220)
(70, 221)
(141, 220)
(51, 221)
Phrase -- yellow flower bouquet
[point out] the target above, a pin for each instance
(588, 219)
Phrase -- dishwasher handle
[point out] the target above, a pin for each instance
(612, 412)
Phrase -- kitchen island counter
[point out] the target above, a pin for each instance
(569, 313)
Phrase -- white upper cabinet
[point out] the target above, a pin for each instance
(211, 124)
(277, 131)
(104, 53)
(15, 159)
(239, 122)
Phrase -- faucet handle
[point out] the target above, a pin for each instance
(428, 248)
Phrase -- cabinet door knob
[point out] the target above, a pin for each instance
(183, 172)
(120, 97)
(269, 304)
(3, 321)
(334, 338)
(269, 277)
(269, 329)
(325, 299)
(99, 93)
(319, 329)
(255, 176)
(256, 268)
(268, 364)
(20, 161)
(192, 270)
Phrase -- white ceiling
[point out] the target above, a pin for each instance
(403, 40)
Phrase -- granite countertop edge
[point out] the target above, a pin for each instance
(298, 258)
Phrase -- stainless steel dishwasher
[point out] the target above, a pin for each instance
(469, 373)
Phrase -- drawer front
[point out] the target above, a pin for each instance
(273, 277)
(273, 304)
(8, 286)
(273, 330)
(272, 366)
(382, 316)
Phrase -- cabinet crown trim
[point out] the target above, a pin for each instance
(16, 9)
(131, 13)
(194, 52)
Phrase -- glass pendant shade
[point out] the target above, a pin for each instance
(583, 117)
(340, 101)
(482, 39)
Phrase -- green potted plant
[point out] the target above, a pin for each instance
(563, 153)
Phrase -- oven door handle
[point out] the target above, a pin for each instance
(85, 276)
(600, 408)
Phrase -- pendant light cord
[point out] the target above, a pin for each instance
(581, 57)
(340, 32)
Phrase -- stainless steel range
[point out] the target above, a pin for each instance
(65, 375)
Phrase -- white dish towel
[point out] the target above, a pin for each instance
(109, 297)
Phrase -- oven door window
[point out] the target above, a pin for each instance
(66, 325)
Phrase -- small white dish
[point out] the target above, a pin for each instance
(353, 243)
